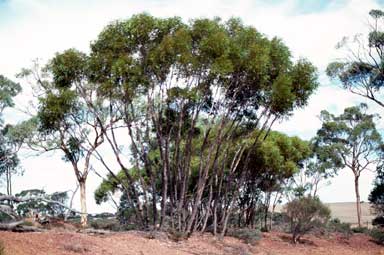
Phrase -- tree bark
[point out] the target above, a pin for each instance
(83, 203)
(358, 205)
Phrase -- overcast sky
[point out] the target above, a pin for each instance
(31, 29)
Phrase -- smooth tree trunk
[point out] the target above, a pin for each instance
(358, 205)
(83, 204)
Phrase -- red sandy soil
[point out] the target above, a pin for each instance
(69, 242)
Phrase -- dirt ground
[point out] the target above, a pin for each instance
(60, 242)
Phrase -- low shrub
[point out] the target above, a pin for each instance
(362, 230)
(378, 235)
(335, 225)
(250, 236)
(306, 213)
(106, 224)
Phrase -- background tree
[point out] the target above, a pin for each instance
(376, 197)
(47, 207)
(8, 147)
(362, 70)
(321, 165)
(63, 121)
(353, 139)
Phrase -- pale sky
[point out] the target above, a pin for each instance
(31, 29)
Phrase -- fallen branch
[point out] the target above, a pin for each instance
(20, 200)
(18, 227)
(8, 211)
(94, 231)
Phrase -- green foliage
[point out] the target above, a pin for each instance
(109, 186)
(362, 230)
(106, 224)
(67, 68)
(335, 225)
(189, 95)
(38, 205)
(8, 90)
(55, 109)
(353, 141)
(362, 73)
(8, 147)
(378, 221)
(378, 235)
(276, 159)
(4, 217)
(24, 208)
(376, 197)
(140, 51)
(305, 213)
(351, 134)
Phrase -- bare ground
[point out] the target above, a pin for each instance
(69, 242)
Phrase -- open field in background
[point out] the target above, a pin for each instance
(346, 212)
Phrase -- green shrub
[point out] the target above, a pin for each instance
(378, 235)
(363, 230)
(335, 225)
(106, 224)
(250, 236)
(306, 213)
(4, 217)
(378, 221)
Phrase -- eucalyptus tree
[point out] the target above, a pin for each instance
(178, 96)
(321, 165)
(54, 205)
(9, 163)
(8, 90)
(376, 197)
(178, 87)
(276, 160)
(354, 141)
(361, 70)
(8, 147)
(63, 121)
